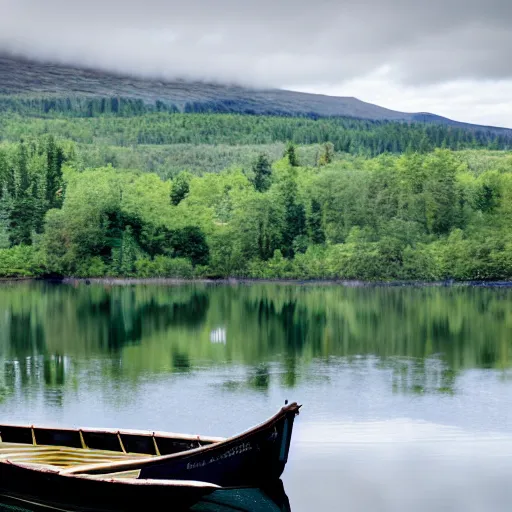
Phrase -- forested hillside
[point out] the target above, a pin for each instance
(428, 216)
(156, 141)
(32, 87)
(139, 186)
(45, 88)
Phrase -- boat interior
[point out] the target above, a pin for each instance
(59, 449)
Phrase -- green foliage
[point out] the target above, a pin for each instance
(277, 267)
(315, 221)
(180, 187)
(349, 135)
(190, 242)
(163, 266)
(93, 266)
(170, 160)
(5, 215)
(55, 159)
(295, 228)
(258, 226)
(125, 254)
(77, 106)
(100, 227)
(327, 155)
(20, 261)
(31, 183)
(291, 155)
(262, 173)
(440, 192)
(316, 213)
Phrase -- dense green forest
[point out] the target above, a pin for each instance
(357, 137)
(114, 187)
(296, 212)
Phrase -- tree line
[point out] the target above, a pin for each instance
(416, 216)
(81, 106)
(352, 136)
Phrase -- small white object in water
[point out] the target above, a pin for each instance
(218, 335)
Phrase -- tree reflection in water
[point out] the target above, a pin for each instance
(424, 336)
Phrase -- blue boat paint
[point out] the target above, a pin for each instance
(257, 455)
(283, 455)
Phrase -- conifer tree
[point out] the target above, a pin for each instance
(291, 154)
(262, 173)
(5, 211)
(315, 223)
(180, 187)
(327, 155)
(54, 183)
(295, 226)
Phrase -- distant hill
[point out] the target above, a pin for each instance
(29, 79)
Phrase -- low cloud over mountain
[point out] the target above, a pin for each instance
(411, 49)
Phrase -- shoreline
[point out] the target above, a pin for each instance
(164, 281)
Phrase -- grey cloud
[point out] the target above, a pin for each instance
(268, 42)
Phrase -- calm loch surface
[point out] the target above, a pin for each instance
(407, 391)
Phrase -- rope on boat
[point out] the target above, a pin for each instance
(157, 451)
(121, 442)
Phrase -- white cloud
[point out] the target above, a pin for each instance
(481, 102)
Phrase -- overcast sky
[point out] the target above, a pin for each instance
(449, 57)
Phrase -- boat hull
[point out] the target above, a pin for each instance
(88, 495)
(247, 499)
(255, 459)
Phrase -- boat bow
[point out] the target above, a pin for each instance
(257, 454)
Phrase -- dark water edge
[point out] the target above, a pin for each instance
(348, 283)
(245, 281)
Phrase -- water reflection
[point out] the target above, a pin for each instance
(270, 499)
(424, 336)
(123, 316)
(372, 366)
(399, 465)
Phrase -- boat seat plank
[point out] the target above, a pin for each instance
(134, 473)
(62, 457)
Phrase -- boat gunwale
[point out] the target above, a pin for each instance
(149, 481)
(114, 431)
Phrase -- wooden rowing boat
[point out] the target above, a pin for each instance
(105, 470)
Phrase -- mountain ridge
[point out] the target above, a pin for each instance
(28, 78)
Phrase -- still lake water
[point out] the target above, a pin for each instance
(406, 391)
